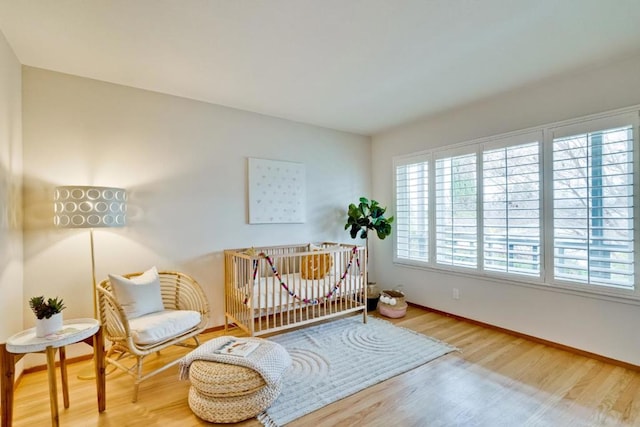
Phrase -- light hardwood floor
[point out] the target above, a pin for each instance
(496, 380)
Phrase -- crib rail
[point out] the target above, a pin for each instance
(268, 289)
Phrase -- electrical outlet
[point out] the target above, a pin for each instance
(456, 293)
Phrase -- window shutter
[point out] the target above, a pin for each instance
(412, 211)
(511, 209)
(456, 211)
(593, 215)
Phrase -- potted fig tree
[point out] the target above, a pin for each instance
(364, 218)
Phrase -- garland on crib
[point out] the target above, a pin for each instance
(314, 301)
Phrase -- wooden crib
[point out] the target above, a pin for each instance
(269, 289)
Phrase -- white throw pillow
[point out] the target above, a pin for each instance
(139, 295)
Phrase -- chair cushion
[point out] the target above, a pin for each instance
(139, 295)
(162, 325)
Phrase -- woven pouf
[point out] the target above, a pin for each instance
(224, 393)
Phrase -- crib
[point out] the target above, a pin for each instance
(269, 289)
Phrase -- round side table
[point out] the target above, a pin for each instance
(74, 331)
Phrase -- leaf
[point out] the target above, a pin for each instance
(354, 211)
(45, 309)
(363, 222)
(354, 231)
(364, 209)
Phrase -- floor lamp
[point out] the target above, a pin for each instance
(90, 207)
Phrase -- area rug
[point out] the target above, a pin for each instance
(337, 359)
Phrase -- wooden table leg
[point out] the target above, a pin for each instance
(63, 376)
(53, 392)
(98, 360)
(6, 384)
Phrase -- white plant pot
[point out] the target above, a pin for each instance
(48, 326)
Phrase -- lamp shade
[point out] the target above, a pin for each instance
(89, 207)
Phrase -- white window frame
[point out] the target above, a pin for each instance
(585, 126)
(545, 135)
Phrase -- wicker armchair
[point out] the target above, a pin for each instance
(179, 292)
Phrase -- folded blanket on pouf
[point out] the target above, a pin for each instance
(269, 359)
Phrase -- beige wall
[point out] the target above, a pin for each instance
(183, 164)
(11, 267)
(604, 327)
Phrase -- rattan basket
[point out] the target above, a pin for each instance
(225, 393)
(397, 295)
(392, 304)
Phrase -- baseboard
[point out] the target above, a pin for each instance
(532, 338)
(75, 359)
(214, 329)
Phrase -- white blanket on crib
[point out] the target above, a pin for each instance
(269, 293)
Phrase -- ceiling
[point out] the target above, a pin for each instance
(362, 66)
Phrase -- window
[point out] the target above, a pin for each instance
(593, 241)
(479, 207)
(511, 209)
(456, 211)
(412, 208)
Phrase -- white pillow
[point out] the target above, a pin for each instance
(139, 295)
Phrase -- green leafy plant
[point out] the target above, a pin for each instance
(44, 309)
(367, 216)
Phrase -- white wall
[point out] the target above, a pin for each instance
(603, 327)
(11, 268)
(183, 164)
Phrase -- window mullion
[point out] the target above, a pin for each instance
(507, 210)
(636, 204)
(548, 225)
(590, 201)
(432, 210)
(479, 210)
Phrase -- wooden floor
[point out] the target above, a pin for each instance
(496, 380)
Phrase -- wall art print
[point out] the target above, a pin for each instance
(277, 192)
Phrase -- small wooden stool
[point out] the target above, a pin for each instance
(224, 393)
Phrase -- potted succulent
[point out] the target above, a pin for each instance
(48, 315)
(363, 218)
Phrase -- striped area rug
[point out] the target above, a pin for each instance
(336, 359)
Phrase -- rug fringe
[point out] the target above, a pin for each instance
(266, 420)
